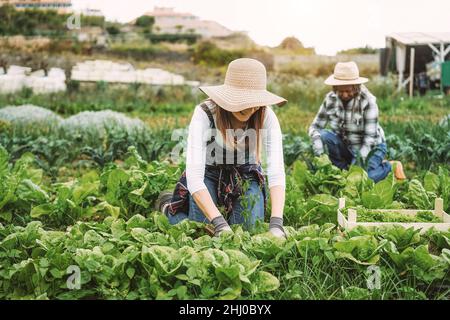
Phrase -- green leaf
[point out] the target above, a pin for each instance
(6, 216)
(108, 209)
(417, 195)
(266, 282)
(82, 191)
(42, 210)
(130, 272)
(116, 180)
(360, 249)
(136, 196)
(381, 196)
(431, 182)
(357, 182)
(423, 265)
(4, 160)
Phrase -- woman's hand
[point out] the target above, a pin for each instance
(277, 196)
(205, 202)
(220, 225)
(276, 227)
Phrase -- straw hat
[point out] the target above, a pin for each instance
(345, 73)
(245, 87)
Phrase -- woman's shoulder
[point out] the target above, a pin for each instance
(206, 104)
(200, 114)
(270, 117)
(270, 112)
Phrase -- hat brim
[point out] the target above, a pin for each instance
(332, 81)
(234, 99)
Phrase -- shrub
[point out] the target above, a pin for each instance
(173, 38)
(113, 30)
(145, 21)
(207, 53)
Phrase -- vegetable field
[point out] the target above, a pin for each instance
(78, 189)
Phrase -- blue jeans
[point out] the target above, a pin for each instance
(342, 156)
(246, 210)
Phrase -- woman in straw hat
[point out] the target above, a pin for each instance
(224, 182)
(351, 112)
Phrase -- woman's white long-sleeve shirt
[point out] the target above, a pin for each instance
(196, 157)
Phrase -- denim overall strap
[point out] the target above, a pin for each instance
(212, 125)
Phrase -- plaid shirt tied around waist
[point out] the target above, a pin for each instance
(229, 178)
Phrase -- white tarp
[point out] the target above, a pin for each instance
(11, 83)
(18, 70)
(108, 71)
(17, 78)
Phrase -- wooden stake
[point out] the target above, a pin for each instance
(341, 203)
(411, 72)
(439, 207)
(351, 216)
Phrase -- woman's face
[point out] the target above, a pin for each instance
(245, 115)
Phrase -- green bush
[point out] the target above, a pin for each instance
(33, 22)
(30, 22)
(141, 52)
(145, 22)
(113, 30)
(102, 96)
(189, 38)
(207, 53)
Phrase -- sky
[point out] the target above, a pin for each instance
(326, 25)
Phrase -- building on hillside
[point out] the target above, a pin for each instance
(167, 20)
(62, 6)
(90, 12)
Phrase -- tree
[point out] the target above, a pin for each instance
(294, 45)
(364, 50)
(145, 22)
(179, 28)
(4, 63)
(113, 30)
(291, 43)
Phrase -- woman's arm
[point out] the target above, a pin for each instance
(273, 145)
(205, 202)
(196, 161)
(277, 198)
(195, 170)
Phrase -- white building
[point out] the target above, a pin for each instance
(18, 78)
(91, 12)
(167, 20)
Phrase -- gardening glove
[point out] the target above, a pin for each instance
(220, 225)
(276, 227)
